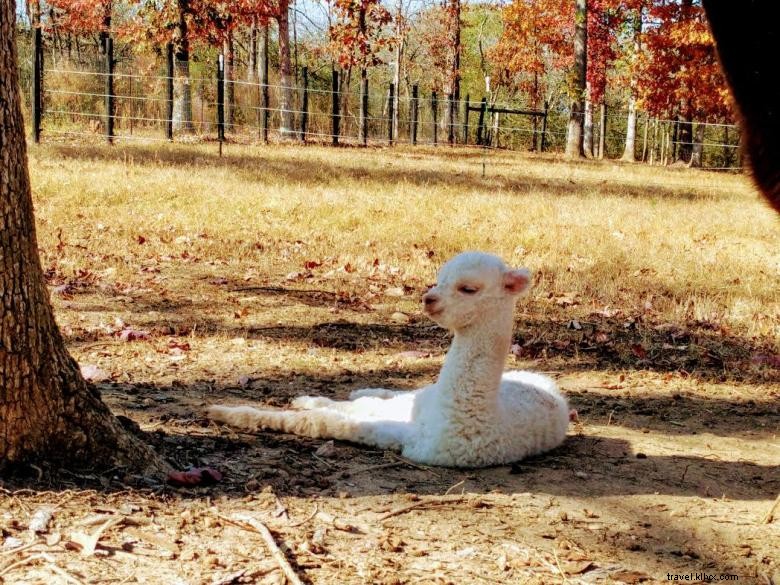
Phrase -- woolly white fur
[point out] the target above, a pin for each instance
(474, 415)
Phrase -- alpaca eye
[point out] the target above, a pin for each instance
(468, 290)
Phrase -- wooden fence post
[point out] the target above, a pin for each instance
(335, 111)
(435, 113)
(305, 103)
(603, 130)
(220, 100)
(364, 111)
(109, 48)
(413, 125)
(36, 100)
(265, 101)
(466, 121)
(451, 115)
(390, 108)
(169, 92)
(481, 122)
(544, 126)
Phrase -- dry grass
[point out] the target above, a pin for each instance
(655, 245)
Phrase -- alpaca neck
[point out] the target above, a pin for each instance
(471, 375)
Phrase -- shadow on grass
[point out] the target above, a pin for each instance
(261, 168)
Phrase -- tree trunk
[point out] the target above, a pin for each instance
(685, 134)
(230, 87)
(574, 134)
(587, 138)
(286, 128)
(629, 153)
(453, 85)
(251, 74)
(182, 92)
(399, 55)
(47, 411)
(698, 147)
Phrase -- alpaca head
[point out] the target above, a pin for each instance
(474, 288)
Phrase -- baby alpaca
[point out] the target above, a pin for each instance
(474, 415)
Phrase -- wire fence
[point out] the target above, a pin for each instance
(182, 102)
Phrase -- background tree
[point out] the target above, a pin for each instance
(679, 73)
(577, 82)
(47, 411)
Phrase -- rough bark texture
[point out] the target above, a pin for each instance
(453, 81)
(286, 127)
(251, 73)
(747, 36)
(574, 133)
(230, 86)
(587, 137)
(182, 91)
(47, 411)
(629, 152)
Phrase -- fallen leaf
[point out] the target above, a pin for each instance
(771, 360)
(415, 355)
(309, 264)
(630, 577)
(87, 543)
(140, 240)
(195, 476)
(639, 351)
(93, 373)
(40, 520)
(129, 334)
(400, 317)
(395, 291)
(578, 567)
(327, 449)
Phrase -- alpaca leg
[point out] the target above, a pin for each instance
(374, 393)
(317, 423)
(311, 402)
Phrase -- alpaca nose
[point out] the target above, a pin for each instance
(430, 299)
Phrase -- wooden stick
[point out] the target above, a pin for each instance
(249, 523)
(771, 514)
(429, 502)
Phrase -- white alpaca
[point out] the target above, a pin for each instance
(474, 415)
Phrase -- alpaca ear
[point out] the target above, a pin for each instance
(517, 281)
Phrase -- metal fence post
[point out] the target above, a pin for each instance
(220, 101)
(335, 111)
(169, 88)
(305, 104)
(413, 125)
(435, 113)
(390, 106)
(109, 89)
(37, 86)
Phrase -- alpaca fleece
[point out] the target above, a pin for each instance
(474, 415)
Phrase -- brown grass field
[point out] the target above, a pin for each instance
(277, 271)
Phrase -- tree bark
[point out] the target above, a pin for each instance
(286, 128)
(574, 134)
(399, 55)
(47, 411)
(587, 138)
(182, 92)
(230, 87)
(698, 147)
(453, 85)
(629, 152)
(251, 74)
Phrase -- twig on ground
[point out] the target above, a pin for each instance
(64, 574)
(771, 514)
(375, 467)
(19, 548)
(341, 524)
(308, 518)
(21, 563)
(405, 461)
(249, 523)
(431, 501)
(452, 487)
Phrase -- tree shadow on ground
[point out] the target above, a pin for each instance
(261, 168)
